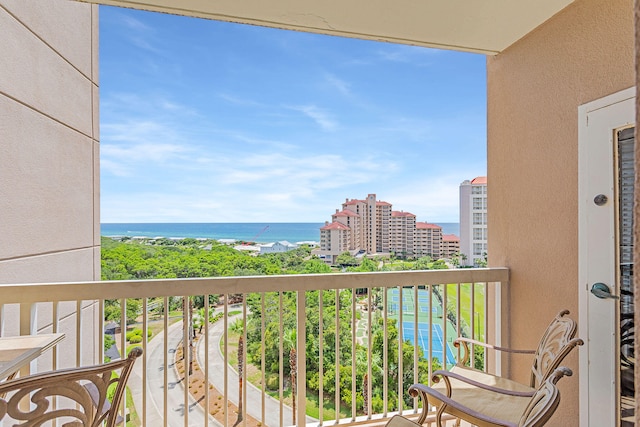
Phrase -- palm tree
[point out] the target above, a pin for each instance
(198, 319)
(289, 341)
(187, 317)
(238, 327)
(362, 361)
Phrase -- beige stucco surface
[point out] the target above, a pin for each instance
(49, 162)
(49, 169)
(534, 90)
(48, 18)
(486, 26)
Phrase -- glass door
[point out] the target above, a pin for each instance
(626, 164)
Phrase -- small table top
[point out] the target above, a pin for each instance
(18, 351)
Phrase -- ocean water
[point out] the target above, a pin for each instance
(249, 231)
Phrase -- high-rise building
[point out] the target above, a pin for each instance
(428, 240)
(403, 228)
(450, 245)
(473, 220)
(372, 226)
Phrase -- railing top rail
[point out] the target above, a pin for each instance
(93, 290)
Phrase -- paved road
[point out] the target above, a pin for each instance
(155, 385)
(254, 395)
(175, 387)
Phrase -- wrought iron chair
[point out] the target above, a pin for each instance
(85, 388)
(495, 408)
(463, 383)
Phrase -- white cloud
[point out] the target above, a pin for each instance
(133, 23)
(143, 152)
(321, 117)
(342, 86)
(184, 137)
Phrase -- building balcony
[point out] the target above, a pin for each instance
(365, 309)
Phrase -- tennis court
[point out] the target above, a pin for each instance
(423, 340)
(410, 307)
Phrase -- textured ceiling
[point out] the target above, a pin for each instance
(483, 26)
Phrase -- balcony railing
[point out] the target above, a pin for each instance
(302, 337)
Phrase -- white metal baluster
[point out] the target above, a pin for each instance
(445, 305)
(353, 354)
(473, 322)
(263, 367)
(337, 361)
(301, 354)
(400, 341)
(123, 343)
(385, 353)
(416, 343)
(145, 340)
(430, 335)
(280, 358)
(244, 360)
(165, 354)
(369, 353)
(225, 358)
(186, 356)
(321, 357)
(55, 326)
(459, 290)
(485, 302)
(207, 409)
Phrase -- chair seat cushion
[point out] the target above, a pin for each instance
(400, 421)
(496, 405)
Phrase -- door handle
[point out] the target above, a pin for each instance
(602, 291)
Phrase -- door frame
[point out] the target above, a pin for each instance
(597, 261)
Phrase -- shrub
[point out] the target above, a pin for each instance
(272, 381)
(135, 339)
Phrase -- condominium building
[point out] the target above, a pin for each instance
(473, 220)
(403, 228)
(450, 245)
(428, 240)
(372, 226)
(335, 238)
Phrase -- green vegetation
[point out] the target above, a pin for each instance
(334, 365)
(163, 258)
(142, 260)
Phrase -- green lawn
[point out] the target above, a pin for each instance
(465, 306)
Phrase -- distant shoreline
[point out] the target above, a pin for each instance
(259, 232)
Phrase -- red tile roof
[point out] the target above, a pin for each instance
(479, 180)
(345, 212)
(423, 225)
(354, 202)
(381, 203)
(401, 213)
(335, 226)
(450, 238)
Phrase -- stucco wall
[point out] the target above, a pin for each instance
(534, 89)
(49, 198)
(49, 164)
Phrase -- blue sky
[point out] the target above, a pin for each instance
(205, 121)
